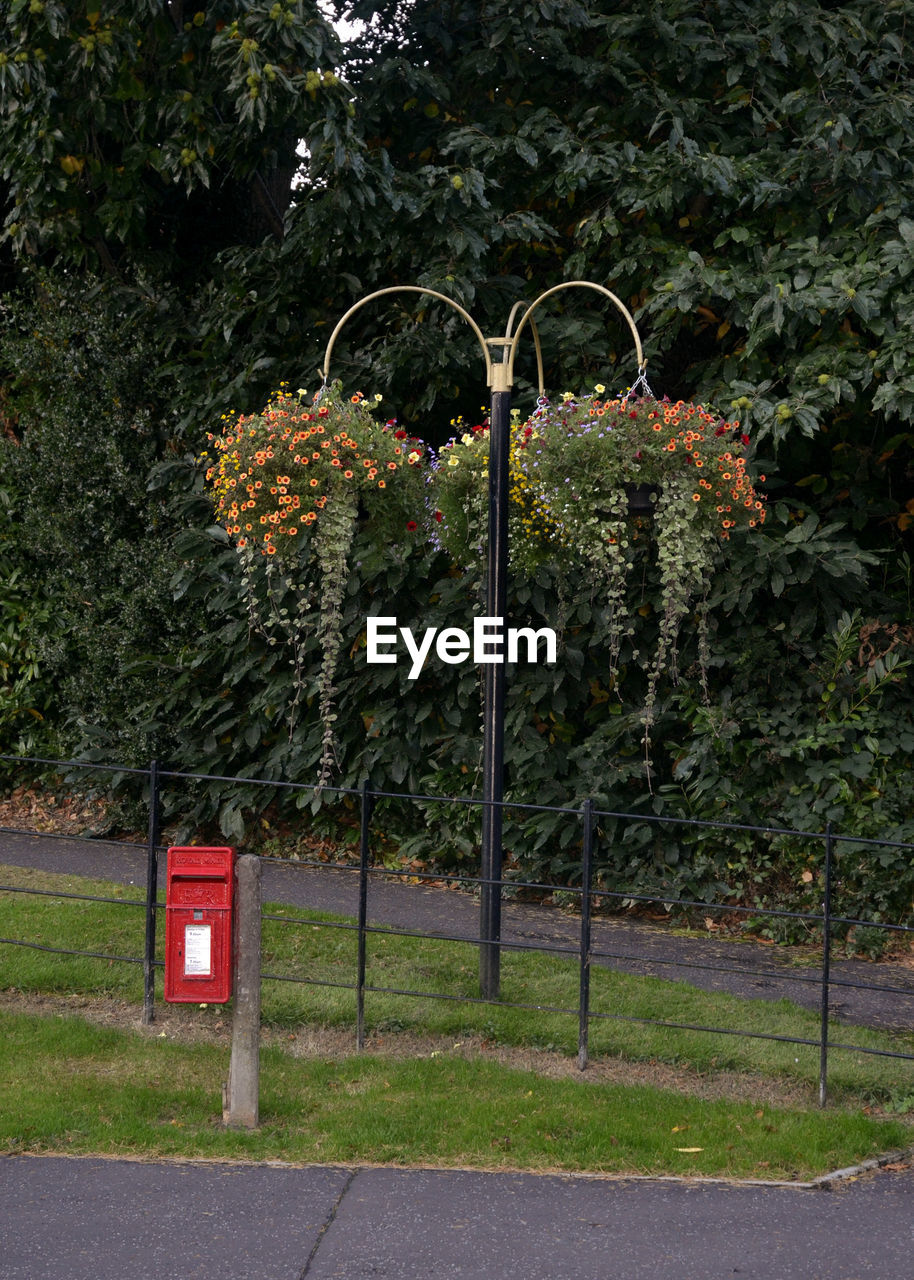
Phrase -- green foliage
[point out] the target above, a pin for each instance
(26, 692)
(739, 176)
(134, 119)
(90, 549)
(758, 156)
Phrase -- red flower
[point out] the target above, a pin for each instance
(411, 526)
(744, 439)
(399, 435)
(438, 516)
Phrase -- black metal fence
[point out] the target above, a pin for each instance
(586, 894)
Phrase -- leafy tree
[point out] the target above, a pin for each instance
(149, 135)
(740, 175)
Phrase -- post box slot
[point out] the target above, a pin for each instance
(198, 875)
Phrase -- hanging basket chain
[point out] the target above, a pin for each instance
(639, 386)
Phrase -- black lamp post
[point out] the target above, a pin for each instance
(493, 756)
(500, 374)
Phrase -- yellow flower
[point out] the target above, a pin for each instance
(453, 462)
(599, 388)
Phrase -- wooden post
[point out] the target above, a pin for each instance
(241, 1096)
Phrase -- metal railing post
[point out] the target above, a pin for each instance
(826, 962)
(586, 886)
(152, 882)
(367, 804)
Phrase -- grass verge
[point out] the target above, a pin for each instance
(74, 1087)
(71, 1086)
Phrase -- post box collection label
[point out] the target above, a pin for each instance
(199, 896)
(198, 949)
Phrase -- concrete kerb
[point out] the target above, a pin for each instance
(824, 1182)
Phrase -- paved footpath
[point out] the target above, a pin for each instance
(88, 1219)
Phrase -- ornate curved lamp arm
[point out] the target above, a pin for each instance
(408, 288)
(510, 343)
(571, 284)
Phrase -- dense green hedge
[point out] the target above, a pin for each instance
(134, 641)
(742, 179)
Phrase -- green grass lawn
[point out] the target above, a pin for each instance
(70, 1085)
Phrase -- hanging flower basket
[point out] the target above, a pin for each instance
(584, 474)
(282, 475)
(289, 486)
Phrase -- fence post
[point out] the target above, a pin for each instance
(152, 883)
(367, 804)
(826, 962)
(241, 1100)
(586, 886)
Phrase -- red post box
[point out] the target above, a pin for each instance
(198, 925)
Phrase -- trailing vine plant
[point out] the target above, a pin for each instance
(291, 485)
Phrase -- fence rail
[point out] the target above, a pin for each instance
(588, 896)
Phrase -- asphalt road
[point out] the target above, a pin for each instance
(88, 1219)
